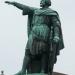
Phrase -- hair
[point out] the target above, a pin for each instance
(48, 2)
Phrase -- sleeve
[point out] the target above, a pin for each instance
(26, 9)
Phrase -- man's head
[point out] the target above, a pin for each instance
(44, 3)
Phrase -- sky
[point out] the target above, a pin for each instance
(13, 35)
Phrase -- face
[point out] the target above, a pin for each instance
(42, 3)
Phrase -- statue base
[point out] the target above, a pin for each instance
(54, 73)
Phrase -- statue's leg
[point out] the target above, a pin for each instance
(51, 69)
(52, 59)
(26, 62)
(43, 62)
(24, 67)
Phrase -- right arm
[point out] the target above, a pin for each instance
(26, 9)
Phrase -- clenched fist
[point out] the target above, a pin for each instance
(8, 2)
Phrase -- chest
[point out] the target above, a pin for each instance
(39, 17)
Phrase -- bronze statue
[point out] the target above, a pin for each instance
(45, 38)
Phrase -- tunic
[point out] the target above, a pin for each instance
(39, 35)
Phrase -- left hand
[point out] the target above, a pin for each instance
(56, 39)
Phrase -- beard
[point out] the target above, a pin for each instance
(42, 5)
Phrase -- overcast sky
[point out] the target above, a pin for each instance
(13, 36)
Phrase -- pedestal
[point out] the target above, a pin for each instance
(54, 73)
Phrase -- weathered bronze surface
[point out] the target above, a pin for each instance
(44, 38)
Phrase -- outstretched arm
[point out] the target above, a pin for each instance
(26, 9)
(18, 5)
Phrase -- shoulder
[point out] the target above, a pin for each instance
(52, 12)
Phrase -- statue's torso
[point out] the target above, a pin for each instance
(41, 24)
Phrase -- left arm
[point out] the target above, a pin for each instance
(56, 28)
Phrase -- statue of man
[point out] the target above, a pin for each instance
(44, 38)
